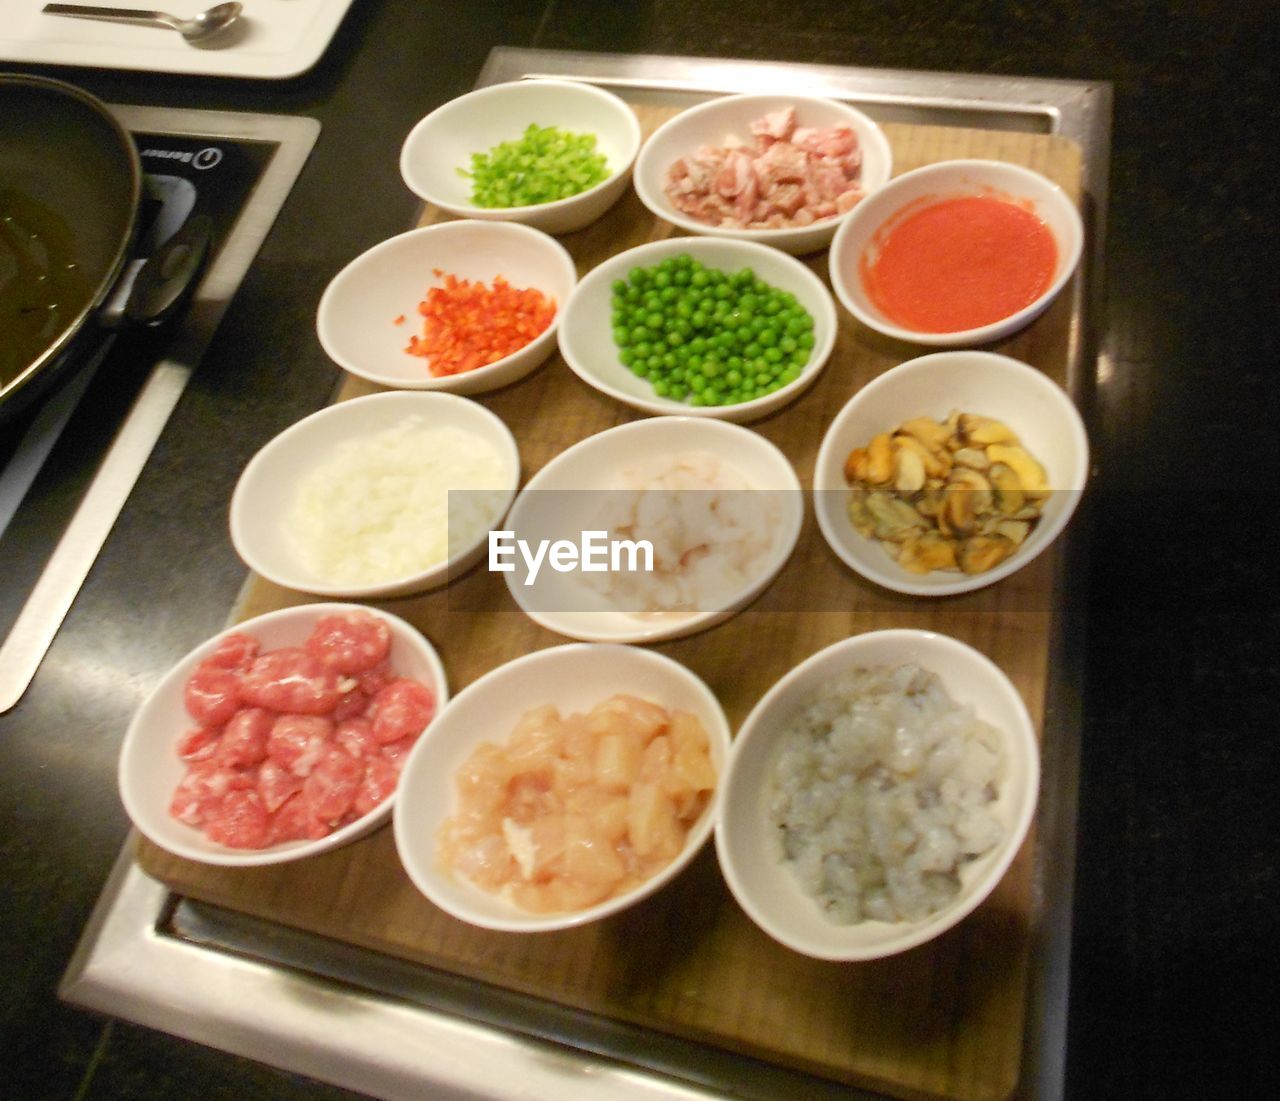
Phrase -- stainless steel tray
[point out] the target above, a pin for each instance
(393, 1030)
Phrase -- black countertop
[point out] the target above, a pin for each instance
(1175, 926)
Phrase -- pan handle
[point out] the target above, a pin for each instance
(150, 293)
(168, 277)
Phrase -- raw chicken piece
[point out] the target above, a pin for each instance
(578, 809)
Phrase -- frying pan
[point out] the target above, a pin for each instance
(71, 188)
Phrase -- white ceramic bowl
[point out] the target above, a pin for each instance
(712, 122)
(750, 850)
(586, 331)
(946, 180)
(1036, 408)
(263, 500)
(444, 141)
(150, 769)
(574, 678)
(568, 497)
(356, 320)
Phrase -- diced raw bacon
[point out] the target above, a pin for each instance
(378, 784)
(755, 186)
(200, 743)
(356, 737)
(244, 738)
(276, 784)
(402, 709)
(212, 694)
(234, 651)
(735, 176)
(331, 788)
(297, 742)
(292, 680)
(780, 163)
(351, 643)
(240, 822)
(777, 125)
(786, 200)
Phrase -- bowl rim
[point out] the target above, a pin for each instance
(656, 406)
(719, 735)
(1022, 737)
(135, 738)
(662, 631)
(1044, 536)
(667, 212)
(1050, 192)
(624, 111)
(331, 296)
(505, 444)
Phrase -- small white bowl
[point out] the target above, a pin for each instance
(877, 214)
(567, 497)
(574, 678)
(443, 142)
(984, 383)
(586, 330)
(150, 768)
(712, 122)
(264, 496)
(357, 317)
(748, 846)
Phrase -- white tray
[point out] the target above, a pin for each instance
(278, 39)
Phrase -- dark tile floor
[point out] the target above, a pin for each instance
(1174, 966)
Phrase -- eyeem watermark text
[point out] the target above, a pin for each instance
(597, 552)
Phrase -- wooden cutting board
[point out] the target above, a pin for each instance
(945, 1020)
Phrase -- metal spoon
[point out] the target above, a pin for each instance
(208, 23)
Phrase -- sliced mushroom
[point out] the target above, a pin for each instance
(961, 494)
(880, 459)
(936, 462)
(927, 552)
(928, 431)
(972, 457)
(983, 552)
(1016, 531)
(855, 465)
(931, 500)
(895, 520)
(1009, 497)
(982, 431)
(972, 482)
(1030, 473)
(859, 515)
(908, 470)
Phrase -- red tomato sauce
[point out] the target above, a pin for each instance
(959, 264)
